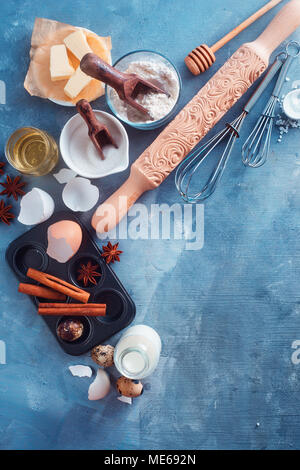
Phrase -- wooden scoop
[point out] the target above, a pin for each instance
(200, 115)
(202, 57)
(98, 133)
(127, 85)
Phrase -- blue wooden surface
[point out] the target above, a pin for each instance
(227, 314)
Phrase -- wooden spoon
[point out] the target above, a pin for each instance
(98, 133)
(127, 85)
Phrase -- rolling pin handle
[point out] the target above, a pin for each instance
(282, 26)
(110, 213)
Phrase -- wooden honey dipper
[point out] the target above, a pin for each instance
(203, 56)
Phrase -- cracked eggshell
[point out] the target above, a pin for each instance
(64, 240)
(100, 387)
(127, 400)
(65, 175)
(81, 371)
(36, 207)
(80, 195)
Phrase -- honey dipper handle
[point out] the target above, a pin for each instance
(244, 25)
(284, 24)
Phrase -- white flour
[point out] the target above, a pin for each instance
(158, 104)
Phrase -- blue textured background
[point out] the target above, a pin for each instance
(227, 314)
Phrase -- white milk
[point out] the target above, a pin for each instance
(137, 353)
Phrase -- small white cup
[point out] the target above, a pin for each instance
(79, 153)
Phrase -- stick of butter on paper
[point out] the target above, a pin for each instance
(60, 67)
(77, 83)
(76, 42)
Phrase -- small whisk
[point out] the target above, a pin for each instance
(256, 148)
(192, 162)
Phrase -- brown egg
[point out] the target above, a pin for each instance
(103, 355)
(64, 240)
(70, 330)
(129, 388)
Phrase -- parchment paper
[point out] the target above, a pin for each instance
(45, 34)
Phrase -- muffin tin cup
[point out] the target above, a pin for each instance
(116, 307)
(88, 329)
(29, 250)
(29, 255)
(74, 266)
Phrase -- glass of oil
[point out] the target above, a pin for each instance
(32, 151)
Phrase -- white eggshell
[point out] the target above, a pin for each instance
(81, 371)
(127, 400)
(100, 387)
(36, 207)
(65, 175)
(80, 195)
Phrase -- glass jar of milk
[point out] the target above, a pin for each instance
(137, 352)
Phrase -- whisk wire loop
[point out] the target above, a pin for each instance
(190, 165)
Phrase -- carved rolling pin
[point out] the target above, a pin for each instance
(199, 116)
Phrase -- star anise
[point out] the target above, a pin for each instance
(2, 164)
(111, 253)
(87, 273)
(13, 187)
(5, 214)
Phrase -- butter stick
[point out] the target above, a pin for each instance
(60, 67)
(76, 83)
(76, 42)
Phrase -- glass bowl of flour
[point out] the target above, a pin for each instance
(156, 68)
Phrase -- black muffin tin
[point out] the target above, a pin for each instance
(29, 251)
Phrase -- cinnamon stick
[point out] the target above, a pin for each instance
(59, 285)
(40, 291)
(89, 310)
(66, 306)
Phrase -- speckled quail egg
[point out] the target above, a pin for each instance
(103, 355)
(70, 329)
(129, 388)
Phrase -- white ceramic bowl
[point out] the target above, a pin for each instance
(79, 153)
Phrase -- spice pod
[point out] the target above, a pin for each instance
(29, 251)
(76, 271)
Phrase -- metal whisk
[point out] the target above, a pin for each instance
(187, 169)
(256, 148)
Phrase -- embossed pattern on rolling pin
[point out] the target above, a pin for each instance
(200, 115)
